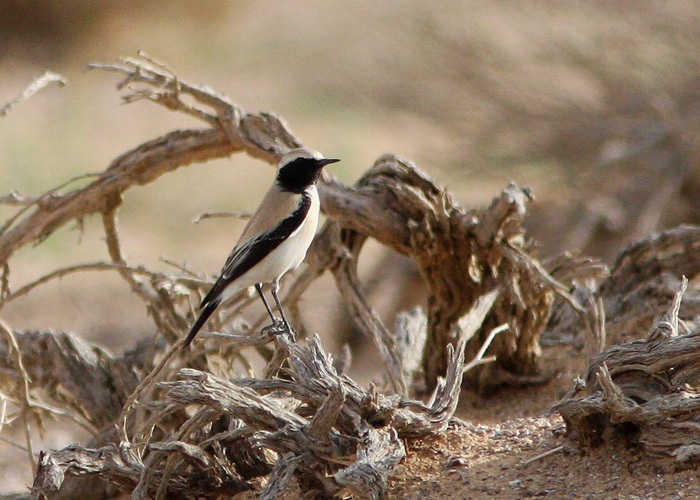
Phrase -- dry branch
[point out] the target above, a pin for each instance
(37, 84)
(303, 422)
(642, 282)
(646, 277)
(462, 255)
(329, 434)
(78, 375)
(644, 392)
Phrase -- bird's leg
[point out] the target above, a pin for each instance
(274, 289)
(277, 323)
(259, 288)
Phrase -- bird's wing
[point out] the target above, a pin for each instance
(277, 205)
(251, 252)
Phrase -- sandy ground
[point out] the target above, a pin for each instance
(502, 461)
(511, 446)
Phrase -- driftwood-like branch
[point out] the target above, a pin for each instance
(346, 276)
(642, 282)
(646, 277)
(645, 391)
(162, 431)
(462, 255)
(138, 167)
(366, 477)
(263, 136)
(74, 373)
(331, 436)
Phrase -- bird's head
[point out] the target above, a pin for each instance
(300, 169)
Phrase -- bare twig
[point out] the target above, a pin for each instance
(36, 85)
(221, 215)
(25, 395)
(541, 456)
(14, 443)
(109, 221)
(57, 274)
(479, 359)
(144, 384)
(351, 290)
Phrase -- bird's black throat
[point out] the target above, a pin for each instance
(296, 176)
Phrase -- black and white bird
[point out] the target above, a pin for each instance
(276, 238)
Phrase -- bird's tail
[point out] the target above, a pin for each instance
(203, 317)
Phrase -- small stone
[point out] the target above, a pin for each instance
(453, 462)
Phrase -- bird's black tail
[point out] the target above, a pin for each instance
(203, 317)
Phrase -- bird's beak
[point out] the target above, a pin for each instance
(327, 161)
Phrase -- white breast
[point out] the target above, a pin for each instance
(287, 256)
(292, 251)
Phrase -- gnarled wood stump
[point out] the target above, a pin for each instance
(647, 391)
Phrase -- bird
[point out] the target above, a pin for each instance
(276, 238)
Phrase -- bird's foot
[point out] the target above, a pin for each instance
(292, 333)
(277, 327)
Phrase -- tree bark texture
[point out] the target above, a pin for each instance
(645, 391)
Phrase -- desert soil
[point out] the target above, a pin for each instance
(501, 452)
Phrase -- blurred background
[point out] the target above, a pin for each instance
(592, 104)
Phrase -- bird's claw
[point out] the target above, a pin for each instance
(277, 327)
